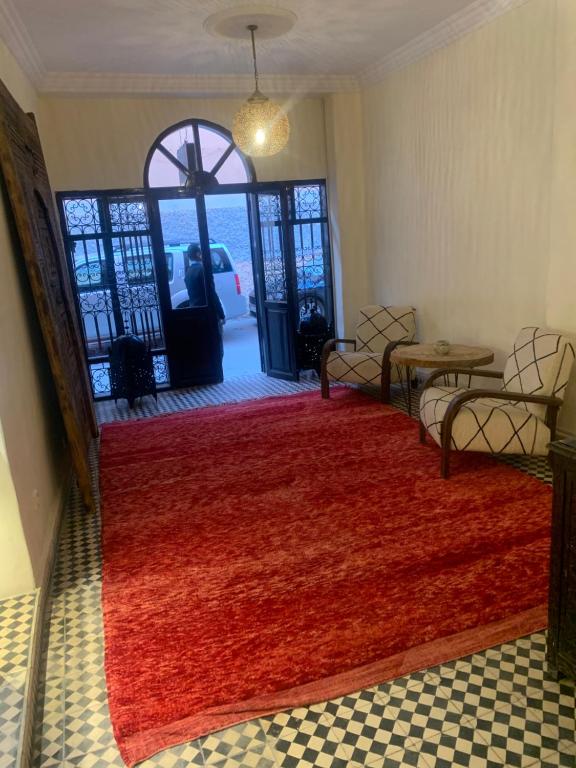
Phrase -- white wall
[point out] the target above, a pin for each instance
(471, 181)
(345, 155)
(99, 143)
(33, 459)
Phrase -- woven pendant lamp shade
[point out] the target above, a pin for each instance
(261, 127)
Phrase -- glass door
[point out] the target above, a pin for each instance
(275, 284)
(192, 311)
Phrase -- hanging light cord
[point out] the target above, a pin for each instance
(253, 28)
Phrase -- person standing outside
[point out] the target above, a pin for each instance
(202, 293)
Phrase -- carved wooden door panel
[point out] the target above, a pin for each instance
(30, 197)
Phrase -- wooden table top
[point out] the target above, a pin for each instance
(424, 356)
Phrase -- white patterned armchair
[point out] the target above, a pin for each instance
(379, 331)
(518, 418)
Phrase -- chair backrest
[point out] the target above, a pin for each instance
(540, 364)
(378, 325)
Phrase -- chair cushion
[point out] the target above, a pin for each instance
(540, 364)
(357, 367)
(487, 424)
(378, 325)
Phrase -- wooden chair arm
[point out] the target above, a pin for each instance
(467, 371)
(330, 345)
(459, 400)
(553, 404)
(391, 346)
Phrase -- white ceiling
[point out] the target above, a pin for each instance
(166, 37)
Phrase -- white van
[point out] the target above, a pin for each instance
(226, 279)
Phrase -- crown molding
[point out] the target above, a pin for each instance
(15, 34)
(472, 17)
(16, 37)
(239, 86)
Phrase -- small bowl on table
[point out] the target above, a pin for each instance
(442, 347)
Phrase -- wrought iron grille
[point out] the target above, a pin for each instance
(309, 227)
(271, 233)
(110, 259)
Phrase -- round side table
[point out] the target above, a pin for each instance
(424, 356)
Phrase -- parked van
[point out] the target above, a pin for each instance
(226, 279)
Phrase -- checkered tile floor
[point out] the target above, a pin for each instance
(16, 624)
(497, 708)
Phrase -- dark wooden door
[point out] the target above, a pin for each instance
(28, 188)
(191, 320)
(275, 284)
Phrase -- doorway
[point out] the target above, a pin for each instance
(228, 222)
(203, 242)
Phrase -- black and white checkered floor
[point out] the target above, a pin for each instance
(16, 624)
(497, 708)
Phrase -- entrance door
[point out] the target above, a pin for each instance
(275, 284)
(186, 286)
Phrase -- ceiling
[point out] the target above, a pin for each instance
(166, 38)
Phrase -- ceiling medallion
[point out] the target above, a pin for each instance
(261, 127)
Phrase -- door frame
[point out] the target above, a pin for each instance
(249, 189)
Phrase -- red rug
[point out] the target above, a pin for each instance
(278, 552)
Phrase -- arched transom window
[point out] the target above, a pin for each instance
(196, 153)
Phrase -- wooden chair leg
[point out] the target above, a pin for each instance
(324, 385)
(422, 433)
(445, 462)
(385, 384)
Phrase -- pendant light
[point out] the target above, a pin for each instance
(261, 127)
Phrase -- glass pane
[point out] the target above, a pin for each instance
(162, 172)
(213, 146)
(270, 232)
(233, 171)
(311, 275)
(137, 293)
(182, 253)
(309, 202)
(82, 216)
(227, 217)
(100, 379)
(93, 287)
(128, 215)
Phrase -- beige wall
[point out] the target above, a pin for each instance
(345, 155)
(560, 297)
(471, 219)
(33, 458)
(99, 143)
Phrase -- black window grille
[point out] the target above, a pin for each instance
(109, 250)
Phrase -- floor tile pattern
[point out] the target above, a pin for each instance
(16, 626)
(497, 708)
(239, 388)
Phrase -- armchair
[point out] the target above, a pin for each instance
(379, 330)
(517, 418)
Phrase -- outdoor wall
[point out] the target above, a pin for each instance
(471, 182)
(32, 452)
(99, 143)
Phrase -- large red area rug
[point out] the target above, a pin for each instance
(278, 552)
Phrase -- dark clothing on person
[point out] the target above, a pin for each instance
(196, 287)
(195, 284)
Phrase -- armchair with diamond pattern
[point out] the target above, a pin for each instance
(518, 418)
(379, 330)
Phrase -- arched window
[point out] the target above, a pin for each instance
(196, 153)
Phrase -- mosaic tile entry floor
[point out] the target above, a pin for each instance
(16, 627)
(497, 708)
